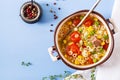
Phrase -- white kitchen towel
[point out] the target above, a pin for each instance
(116, 14)
(110, 70)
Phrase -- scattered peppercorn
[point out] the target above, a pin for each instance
(51, 25)
(47, 4)
(51, 10)
(55, 17)
(59, 8)
(54, 3)
(51, 30)
(54, 14)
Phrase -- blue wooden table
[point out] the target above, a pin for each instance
(23, 42)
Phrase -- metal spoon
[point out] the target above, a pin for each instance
(93, 7)
(32, 3)
(75, 28)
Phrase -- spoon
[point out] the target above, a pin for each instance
(80, 23)
(32, 3)
(93, 7)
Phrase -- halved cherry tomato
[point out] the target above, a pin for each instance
(75, 36)
(88, 22)
(76, 21)
(73, 48)
(105, 46)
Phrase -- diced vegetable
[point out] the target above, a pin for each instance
(76, 21)
(80, 29)
(92, 33)
(81, 17)
(64, 41)
(94, 60)
(105, 37)
(97, 23)
(70, 23)
(105, 46)
(94, 52)
(103, 43)
(95, 19)
(88, 22)
(90, 61)
(101, 49)
(90, 44)
(99, 36)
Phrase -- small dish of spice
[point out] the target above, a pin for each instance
(30, 12)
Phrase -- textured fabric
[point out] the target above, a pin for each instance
(110, 70)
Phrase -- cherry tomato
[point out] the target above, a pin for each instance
(88, 22)
(75, 36)
(73, 48)
(90, 61)
(105, 46)
(76, 21)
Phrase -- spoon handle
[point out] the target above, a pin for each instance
(93, 7)
(32, 2)
(75, 28)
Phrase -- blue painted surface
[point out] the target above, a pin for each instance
(20, 41)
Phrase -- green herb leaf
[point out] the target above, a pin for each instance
(101, 49)
(26, 64)
(80, 29)
(44, 78)
(95, 60)
(55, 77)
(97, 23)
(90, 44)
(81, 17)
(92, 33)
(105, 37)
(93, 74)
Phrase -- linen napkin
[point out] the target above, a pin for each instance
(110, 70)
(80, 75)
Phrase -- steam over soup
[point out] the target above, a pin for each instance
(84, 46)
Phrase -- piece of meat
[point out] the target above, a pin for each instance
(96, 41)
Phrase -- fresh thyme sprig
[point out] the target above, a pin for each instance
(26, 64)
(55, 77)
(93, 74)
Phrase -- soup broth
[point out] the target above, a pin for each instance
(86, 45)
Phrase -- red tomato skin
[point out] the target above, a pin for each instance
(105, 46)
(75, 37)
(76, 22)
(88, 22)
(90, 60)
(74, 48)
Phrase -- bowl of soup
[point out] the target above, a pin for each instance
(86, 47)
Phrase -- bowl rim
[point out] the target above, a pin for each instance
(88, 67)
